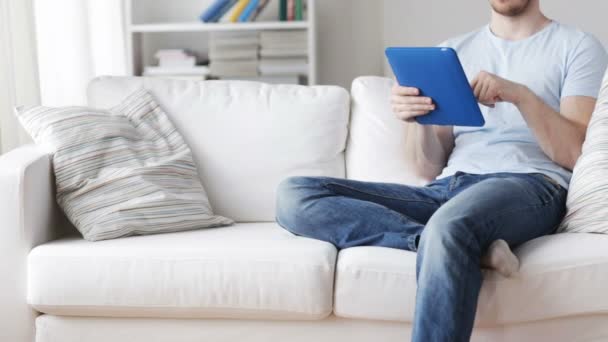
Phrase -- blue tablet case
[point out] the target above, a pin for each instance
(438, 74)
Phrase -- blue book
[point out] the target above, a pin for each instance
(248, 11)
(213, 10)
(224, 10)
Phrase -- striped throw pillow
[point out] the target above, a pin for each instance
(124, 171)
(587, 202)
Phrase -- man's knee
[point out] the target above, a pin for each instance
(449, 233)
(293, 193)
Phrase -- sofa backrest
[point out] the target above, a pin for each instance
(376, 143)
(246, 137)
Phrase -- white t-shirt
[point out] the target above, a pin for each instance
(557, 62)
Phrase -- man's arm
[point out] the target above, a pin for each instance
(427, 147)
(560, 134)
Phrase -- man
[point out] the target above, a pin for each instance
(499, 185)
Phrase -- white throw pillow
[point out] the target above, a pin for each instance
(587, 202)
(376, 144)
(124, 171)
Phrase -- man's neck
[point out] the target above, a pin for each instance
(519, 27)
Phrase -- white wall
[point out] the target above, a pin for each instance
(430, 22)
(350, 40)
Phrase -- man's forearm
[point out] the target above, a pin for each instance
(560, 138)
(425, 149)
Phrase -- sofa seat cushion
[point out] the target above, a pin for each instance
(248, 271)
(561, 275)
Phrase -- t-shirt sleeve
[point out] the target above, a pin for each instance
(585, 68)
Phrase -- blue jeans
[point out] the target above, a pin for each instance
(450, 223)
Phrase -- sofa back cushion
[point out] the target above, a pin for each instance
(376, 143)
(246, 137)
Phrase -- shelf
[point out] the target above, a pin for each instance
(204, 27)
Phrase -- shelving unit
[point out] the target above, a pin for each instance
(202, 27)
(139, 32)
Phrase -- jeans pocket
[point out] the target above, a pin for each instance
(552, 181)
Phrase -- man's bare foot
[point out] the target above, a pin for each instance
(500, 258)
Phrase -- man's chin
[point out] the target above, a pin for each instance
(510, 10)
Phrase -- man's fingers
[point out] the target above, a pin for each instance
(407, 116)
(485, 92)
(405, 91)
(408, 111)
(421, 107)
(413, 108)
(474, 83)
(477, 89)
(405, 107)
(398, 99)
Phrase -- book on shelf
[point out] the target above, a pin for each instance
(175, 58)
(283, 44)
(226, 17)
(225, 10)
(226, 40)
(276, 37)
(259, 10)
(264, 53)
(238, 10)
(291, 10)
(176, 63)
(236, 41)
(232, 53)
(299, 9)
(248, 11)
(283, 10)
(283, 66)
(199, 70)
(213, 10)
(235, 68)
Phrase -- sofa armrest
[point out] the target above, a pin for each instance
(28, 217)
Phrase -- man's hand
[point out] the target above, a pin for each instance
(408, 104)
(490, 89)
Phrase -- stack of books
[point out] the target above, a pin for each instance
(284, 53)
(233, 11)
(176, 63)
(234, 54)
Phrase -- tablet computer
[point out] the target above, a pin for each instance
(438, 74)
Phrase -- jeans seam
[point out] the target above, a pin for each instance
(326, 184)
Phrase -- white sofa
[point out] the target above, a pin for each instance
(254, 281)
